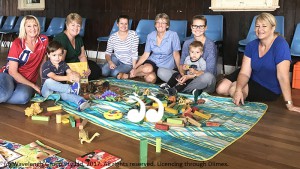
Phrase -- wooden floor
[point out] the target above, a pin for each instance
(274, 142)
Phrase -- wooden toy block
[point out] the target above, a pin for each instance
(156, 104)
(212, 124)
(195, 108)
(53, 108)
(158, 145)
(72, 121)
(172, 105)
(171, 110)
(40, 118)
(65, 120)
(173, 125)
(176, 106)
(58, 118)
(161, 126)
(84, 80)
(172, 99)
(189, 110)
(205, 116)
(174, 121)
(36, 107)
(193, 122)
(78, 122)
(143, 152)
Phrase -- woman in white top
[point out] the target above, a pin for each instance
(122, 50)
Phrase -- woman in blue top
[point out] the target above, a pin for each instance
(264, 73)
(164, 46)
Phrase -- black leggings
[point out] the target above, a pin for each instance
(256, 91)
(95, 70)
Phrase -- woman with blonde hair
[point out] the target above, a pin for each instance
(264, 74)
(74, 47)
(18, 78)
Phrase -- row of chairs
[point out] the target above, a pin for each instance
(11, 26)
(145, 26)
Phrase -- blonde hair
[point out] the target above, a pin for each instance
(163, 16)
(74, 17)
(22, 33)
(267, 17)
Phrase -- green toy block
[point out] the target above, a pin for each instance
(143, 152)
(72, 121)
(40, 118)
(158, 144)
(174, 120)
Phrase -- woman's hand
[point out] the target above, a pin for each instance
(132, 72)
(37, 88)
(291, 107)
(112, 65)
(238, 97)
(183, 79)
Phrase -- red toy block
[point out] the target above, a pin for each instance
(78, 122)
(212, 124)
(162, 127)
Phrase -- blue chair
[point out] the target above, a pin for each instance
(295, 46)
(15, 30)
(82, 29)
(113, 30)
(57, 25)
(179, 26)
(143, 28)
(1, 21)
(42, 21)
(7, 26)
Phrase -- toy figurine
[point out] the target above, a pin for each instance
(83, 136)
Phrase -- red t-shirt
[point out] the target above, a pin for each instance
(29, 61)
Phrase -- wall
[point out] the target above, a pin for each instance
(101, 15)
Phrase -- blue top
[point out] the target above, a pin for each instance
(162, 55)
(209, 54)
(49, 67)
(264, 69)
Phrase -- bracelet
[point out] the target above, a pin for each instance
(289, 102)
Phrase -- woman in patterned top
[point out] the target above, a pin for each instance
(122, 50)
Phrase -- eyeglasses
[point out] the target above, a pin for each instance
(161, 23)
(198, 26)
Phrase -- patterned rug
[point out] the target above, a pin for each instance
(197, 143)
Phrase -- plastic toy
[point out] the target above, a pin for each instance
(113, 115)
(83, 136)
(34, 109)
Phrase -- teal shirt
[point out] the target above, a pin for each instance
(72, 54)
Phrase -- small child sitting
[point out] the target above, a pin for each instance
(56, 72)
(194, 65)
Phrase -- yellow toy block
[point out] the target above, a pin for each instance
(205, 116)
(193, 122)
(53, 108)
(65, 120)
(174, 120)
(36, 107)
(156, 105)
(171, 110)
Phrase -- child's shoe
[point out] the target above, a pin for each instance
(164, 86)
(75, 88)
(83, 104)
(172, 91)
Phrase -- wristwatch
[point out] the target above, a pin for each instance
(289, 102)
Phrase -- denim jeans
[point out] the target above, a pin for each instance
(120, 67)
(13, 92)
(50, 86)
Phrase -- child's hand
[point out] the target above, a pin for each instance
(185, 67)
(183, 79)
(87, 72)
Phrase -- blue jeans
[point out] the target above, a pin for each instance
(13, 92)
(121, 67)
(50, 86)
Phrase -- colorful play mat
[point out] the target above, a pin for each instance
(197, 143)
